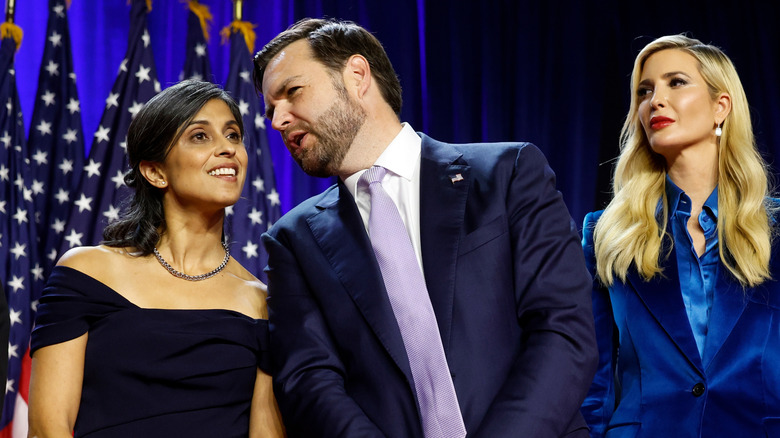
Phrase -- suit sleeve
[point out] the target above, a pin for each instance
(600, 401)
(547, 383)
(308, 374)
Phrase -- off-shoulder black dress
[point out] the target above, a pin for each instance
(153, 372)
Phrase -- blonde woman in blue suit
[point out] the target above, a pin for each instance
(685, 291)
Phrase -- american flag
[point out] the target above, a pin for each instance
(259, 206)
(101, 191)
(196, 63)
(22, 275)
(56, 140)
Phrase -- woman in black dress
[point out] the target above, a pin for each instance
(158, 331)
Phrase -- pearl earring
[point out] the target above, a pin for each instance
(718, 131)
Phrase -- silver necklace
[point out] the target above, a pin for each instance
(200, 277)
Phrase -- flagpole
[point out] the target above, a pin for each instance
(238, 7)
(10, 10)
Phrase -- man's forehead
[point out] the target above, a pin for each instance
(287, 60)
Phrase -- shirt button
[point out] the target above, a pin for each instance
(698, 389)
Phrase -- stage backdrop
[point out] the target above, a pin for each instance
(551, 72)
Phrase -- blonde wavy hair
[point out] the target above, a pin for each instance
(632, 229)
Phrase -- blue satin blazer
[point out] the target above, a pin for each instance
(652, 381)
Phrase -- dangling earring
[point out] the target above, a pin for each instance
(718, 131)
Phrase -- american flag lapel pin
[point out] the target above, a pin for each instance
(455, 178)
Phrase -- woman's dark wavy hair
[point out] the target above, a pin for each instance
(152, 134)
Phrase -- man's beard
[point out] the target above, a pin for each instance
(334, 132)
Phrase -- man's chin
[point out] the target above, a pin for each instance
(319, 170)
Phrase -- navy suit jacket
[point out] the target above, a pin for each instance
(664, 387)
(507, 281)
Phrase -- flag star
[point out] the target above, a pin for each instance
(200, 49)
(259, 184)
(102, 134)
(93, 168)
(48, 98)
(118, 179)
(37, 187)
(259, 122)
(228, 210)
(9, 385)
(10, 105)
(2, 208)
(6, 139)
(17, 283)
(3, 172)
(273, 197)
(135, 108)
(27, 193)
(56, 39)
(70, 137)
(19, 183)
(16, 316)
(250, 249)
(40, 157)
(123, 65)
(245, 75)
(66, 166)
(53, 68)
(146, 38)
(52, 255)
(256, 216)
(72, 77)
(112, 100)
(123, 145)
(37, 272)
(44, 127)
(74, 238)
(157, 86)
(20, 216)
(74, 106)
(84, 203)
(13, 350)
(243, 107)
(112, 213)
(19, 250)
(58, 226)
(34, 305)
(59, 10)
(143, 74)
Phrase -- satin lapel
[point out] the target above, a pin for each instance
(444, 184)
(341, 235)
(663, 298)
(728, 303)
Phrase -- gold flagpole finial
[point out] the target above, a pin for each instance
(10, 6)
(238, 8)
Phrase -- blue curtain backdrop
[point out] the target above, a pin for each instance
(552, 72)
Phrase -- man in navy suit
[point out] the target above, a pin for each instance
(495, 249)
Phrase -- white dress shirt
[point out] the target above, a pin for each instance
(401, 158)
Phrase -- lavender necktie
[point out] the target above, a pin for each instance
(413, 311)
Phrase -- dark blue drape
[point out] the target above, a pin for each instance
(555, 73)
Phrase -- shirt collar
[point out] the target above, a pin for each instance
(678, 200)
(399, 157)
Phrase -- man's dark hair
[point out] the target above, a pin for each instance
(332, 43)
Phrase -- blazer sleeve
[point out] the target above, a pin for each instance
(547, 383)
(308, 376)
(600, 402)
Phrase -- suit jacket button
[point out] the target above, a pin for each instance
(698, 389)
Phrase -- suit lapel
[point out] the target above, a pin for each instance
(663, 298)
(729, 301)
(444, 183)
(341, 235)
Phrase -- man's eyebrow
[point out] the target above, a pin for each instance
(269, 112)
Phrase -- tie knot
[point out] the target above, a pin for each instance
(374, 174)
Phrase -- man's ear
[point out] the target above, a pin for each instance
(154, 173)
(357, 75)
